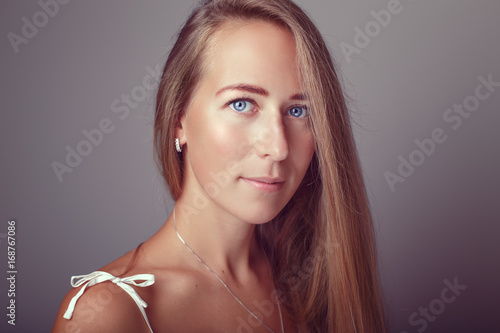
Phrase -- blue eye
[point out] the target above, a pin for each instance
(298, 112)
(241, 105)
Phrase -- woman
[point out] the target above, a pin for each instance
(271, 230)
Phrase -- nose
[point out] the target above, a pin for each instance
(271, 140)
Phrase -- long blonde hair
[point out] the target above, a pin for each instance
(321, 244)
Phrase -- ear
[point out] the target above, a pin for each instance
(180, 129)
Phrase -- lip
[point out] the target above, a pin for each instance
(265, 184)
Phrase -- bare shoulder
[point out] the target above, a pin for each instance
(103, 307)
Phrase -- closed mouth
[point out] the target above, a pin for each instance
(265, 184)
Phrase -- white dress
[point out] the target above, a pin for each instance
(124, 283)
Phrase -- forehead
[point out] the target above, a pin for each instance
(253, 52)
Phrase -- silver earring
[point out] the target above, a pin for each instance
(178, 145)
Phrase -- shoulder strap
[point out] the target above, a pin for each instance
(124, 283)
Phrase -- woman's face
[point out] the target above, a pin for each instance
(246, 133)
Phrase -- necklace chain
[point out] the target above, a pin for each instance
(225, 286)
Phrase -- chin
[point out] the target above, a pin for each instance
(258, 215)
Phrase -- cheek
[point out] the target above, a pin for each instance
(302, 149)
(216, 146)
(308, 153)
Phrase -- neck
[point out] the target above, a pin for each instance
(225, 243)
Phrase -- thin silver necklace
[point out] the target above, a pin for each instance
(229, 290)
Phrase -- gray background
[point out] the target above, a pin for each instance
(441, 223)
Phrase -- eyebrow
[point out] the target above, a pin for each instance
(299, 97)
(244, 87)
(256, 90)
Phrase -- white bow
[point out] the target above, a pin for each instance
(124, 283)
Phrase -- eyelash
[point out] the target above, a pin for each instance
(305, 108)
(242, 98)
(250, 100)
